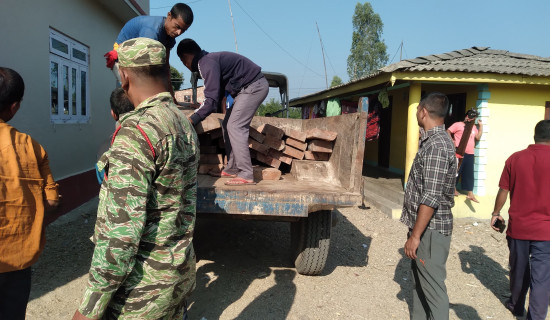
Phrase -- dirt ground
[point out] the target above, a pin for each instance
(245, 272)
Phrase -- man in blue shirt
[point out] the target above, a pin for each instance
(162, 29)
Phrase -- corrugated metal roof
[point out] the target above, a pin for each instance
(477, 60)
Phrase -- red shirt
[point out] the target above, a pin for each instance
(526, 175)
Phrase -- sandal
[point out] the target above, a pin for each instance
(222, 174)
(239, 182)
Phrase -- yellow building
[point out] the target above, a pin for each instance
(511, 92)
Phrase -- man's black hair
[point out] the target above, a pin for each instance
(436, 103)
(120, 104)
(12, 87)
(542, 131)
(188, 46)
(184, 11)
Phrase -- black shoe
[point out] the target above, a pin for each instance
(509, 306)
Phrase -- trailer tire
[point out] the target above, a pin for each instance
(310, 242)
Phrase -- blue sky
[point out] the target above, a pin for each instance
(281, 35)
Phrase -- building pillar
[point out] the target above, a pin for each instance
(413, 130)
(480, 173)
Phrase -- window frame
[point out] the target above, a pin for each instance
(74, 86)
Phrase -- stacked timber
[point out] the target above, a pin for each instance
(273, 148)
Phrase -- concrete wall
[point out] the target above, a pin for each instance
(25, 24)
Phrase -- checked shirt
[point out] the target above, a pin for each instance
(432, 181)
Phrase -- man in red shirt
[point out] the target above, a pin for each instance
(526, 176)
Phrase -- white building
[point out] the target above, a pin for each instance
(57, 46)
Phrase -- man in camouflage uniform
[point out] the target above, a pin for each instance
(143, 266)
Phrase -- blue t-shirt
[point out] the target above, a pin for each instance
(146, 27)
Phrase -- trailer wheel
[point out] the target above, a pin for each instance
(310, 242)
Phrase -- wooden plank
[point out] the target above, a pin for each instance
(320, 146)
(296, 143)
(297, 135)
(293, 152)
(210, 123)
(264, 173)
(316, 133)
(274, 142)
(270, 161)
(256, 135)
(270, 130)
(255, 145)
(280, 156)
(317, 156)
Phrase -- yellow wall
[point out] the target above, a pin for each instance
(398, 142)
(514, 112)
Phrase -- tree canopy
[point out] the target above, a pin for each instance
(176, 78)
(368, 50)
(336, 81)
(271, 106)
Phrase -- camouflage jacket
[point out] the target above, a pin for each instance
(143, 264)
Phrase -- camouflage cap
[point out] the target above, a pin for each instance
(139, 52)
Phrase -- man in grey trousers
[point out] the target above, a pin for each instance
(235, 75)
(429, 197)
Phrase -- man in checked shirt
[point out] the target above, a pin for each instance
(427, 209)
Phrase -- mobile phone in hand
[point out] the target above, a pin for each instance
(501, 225)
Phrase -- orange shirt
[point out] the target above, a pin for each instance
(25, 183)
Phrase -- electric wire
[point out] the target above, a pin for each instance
(276, 43)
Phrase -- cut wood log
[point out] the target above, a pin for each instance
(296, 143)
(297, 135)
(255, 145)
(293, 152)
(210, 123)
(256, 135)
(280, 156)
(320, 146)
(270, 130)
(264, 173)
(317, 133)
(274, 142)
(270, 161)
(317, 156)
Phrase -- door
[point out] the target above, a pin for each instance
(384, 139)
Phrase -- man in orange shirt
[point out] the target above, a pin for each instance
(27, 191)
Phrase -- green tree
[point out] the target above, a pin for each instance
(336, 81)
(269, 107)
(272, 106)
(368, 50)
(176, 77)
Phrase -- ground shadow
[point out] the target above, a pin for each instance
(403, 277)
(465, 312)
(67, 255)
(238, 252)
(489, 272)
(349, 247)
